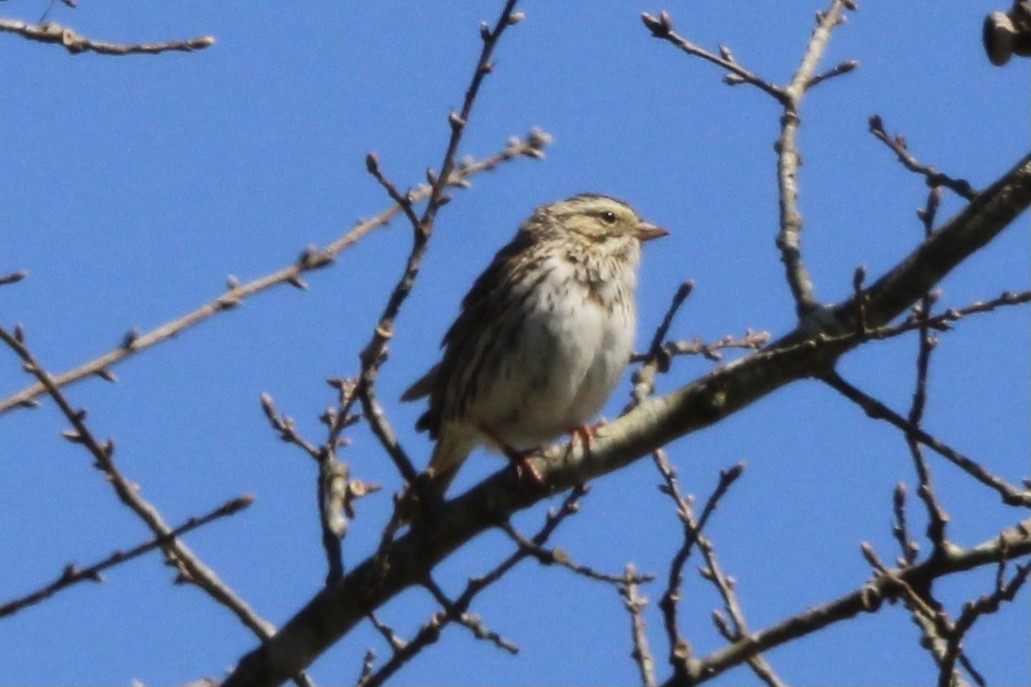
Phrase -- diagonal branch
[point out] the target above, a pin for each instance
(457, 610)
(375, 352)
(875, 409)
(807, 351)
(662, 27)
(897, 144)
(1011, 543)
(191, 568)
(13, 277)
(310, 259)
(73, 574)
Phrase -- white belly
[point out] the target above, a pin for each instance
(564, 360)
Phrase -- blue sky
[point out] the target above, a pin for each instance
(133, 186)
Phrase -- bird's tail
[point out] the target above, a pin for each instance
(453, 447)
(448, 456)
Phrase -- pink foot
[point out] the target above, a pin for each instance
(525, 470)
(586, 434)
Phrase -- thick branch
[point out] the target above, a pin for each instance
(805, 352)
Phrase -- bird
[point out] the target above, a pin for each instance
(542, 338)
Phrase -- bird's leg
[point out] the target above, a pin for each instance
(525, 470)
(586, 434)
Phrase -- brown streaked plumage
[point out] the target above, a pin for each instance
(543, 335)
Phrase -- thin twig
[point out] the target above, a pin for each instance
(897, 144)
(337, 490)
(75, 43)
(1010, 494)
(368, 663)
(311, 259)
(13, 277)
(191, 568)
(657, 359)
(973, 610)
(838, 70)
(471, 621)
(635, 603)
(788, 158)
(73, 574)
(900, 530)
(1013, 542)
(375, 352)
(937, 517)
(680, 650)
(860, 298)
(713, 572)
(927, 612)
(751, 341)
(559, 557)
(381, 427)
(662, 27)
(430, 632)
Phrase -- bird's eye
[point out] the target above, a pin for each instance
(609, 217)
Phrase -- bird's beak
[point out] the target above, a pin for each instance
(646, 231)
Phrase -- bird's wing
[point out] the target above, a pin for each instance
(463, 342)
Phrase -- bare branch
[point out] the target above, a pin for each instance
(973, 610)
(559, 557)
(800, 354)
(927, 612)
(910, 549)
(662, 27)
(456, 610)
(73, 574)
(1010, 494)
(471, 621)
(937, 518)
(635, 603)
(368, 663)
(657, 359)
(311, 259)
(75, 43)
(375, 352)
(680, 649)
(13, 277)
(751, 341)
(1012, 542)
(897, 144)
(920, 320)
(337, 490)
(789, 239)
(191, 568)
(838, 70)
(788, 157)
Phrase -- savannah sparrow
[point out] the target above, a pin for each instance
(543, 337)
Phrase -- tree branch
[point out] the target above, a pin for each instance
(1013, 542)
(808, 350)
(73, 574)
(311, 259)
(75, 43)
